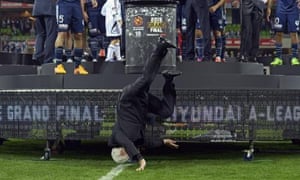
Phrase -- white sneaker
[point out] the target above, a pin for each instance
(120, 59)
(95, 60)
(109, 60)
(85, 53)
(69, 60)
(83, 60)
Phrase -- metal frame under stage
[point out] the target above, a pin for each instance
(200, 115)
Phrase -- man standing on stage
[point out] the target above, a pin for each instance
(252, 13)
(46, 31)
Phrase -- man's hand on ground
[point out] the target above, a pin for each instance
(171, 143)
(142, 164)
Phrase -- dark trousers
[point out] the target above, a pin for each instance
(140, 88)
(151, 68)
(250, 29)
(196, 10)
(46, 32)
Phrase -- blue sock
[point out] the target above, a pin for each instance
(58, 55)
(78, 52)
(223, 46)
(68, 53)
(295, 50)
(218, 46)
(199, 47)
(278, 50)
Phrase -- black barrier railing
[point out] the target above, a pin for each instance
(200, 115)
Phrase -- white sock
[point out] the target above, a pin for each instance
(110, 53)
(118, 52)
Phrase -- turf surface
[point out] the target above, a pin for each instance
(20, 159)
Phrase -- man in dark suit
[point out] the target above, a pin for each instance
(136, 104)
(252, 12)
(46, 30)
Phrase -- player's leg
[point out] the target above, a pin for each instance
(199, 42)
(63, 19)
(78, 53)
(102, 39)
(223, 34)
(110, 51)
(93, 32)
(59, 48)
(293, 28)
(117, 47)
(202, 15)
(77, 30)
(68, 47)
(294, 47)
(279, 23)
(216, 23)
(179, 16)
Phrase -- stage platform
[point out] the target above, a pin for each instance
(103, 75)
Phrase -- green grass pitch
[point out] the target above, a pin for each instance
(20, 160)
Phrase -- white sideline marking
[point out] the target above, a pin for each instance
(114, 172)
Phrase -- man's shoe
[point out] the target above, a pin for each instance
(165, 44)
(276, 62)
(80, 70)
(107, 59)
(243, 59)
(252, 59)
(170, 74)
(60, 69)
(295, 61)
(36, 62)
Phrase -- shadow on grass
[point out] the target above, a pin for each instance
(99, 150)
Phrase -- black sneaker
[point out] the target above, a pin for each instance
(244, 59)
(252, 59)
(164, 43)
(36, 62)
(170, 74)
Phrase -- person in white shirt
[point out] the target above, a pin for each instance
(113, 24)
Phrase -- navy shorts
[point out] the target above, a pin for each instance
(69, 16)
(288, 21)
(216, 20)
(96, 20)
